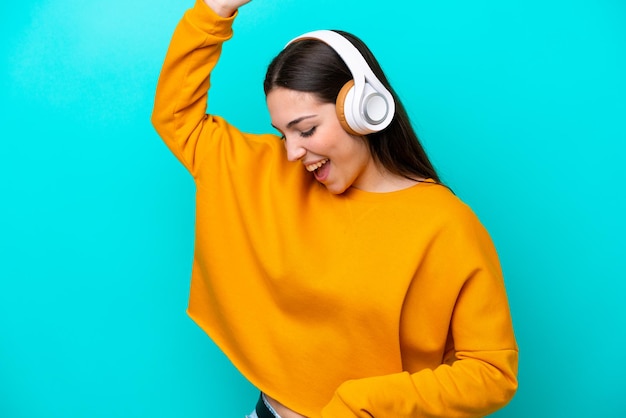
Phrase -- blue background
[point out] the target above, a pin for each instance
(521, 105)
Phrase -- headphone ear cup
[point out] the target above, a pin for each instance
(343, 102)
(374, 109)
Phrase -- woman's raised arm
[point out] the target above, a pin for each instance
(179, 113)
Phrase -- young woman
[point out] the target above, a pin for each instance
(331, 266)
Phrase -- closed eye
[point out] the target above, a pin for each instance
(308, 133)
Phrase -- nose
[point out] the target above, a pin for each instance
(295, 150)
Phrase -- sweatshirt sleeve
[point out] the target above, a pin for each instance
(478, 374)
(179, 114)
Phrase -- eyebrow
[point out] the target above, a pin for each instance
(297, 121)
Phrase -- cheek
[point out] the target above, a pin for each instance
(332, 139)
(357, 146)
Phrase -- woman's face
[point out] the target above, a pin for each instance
(313, 135)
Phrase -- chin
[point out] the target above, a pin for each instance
(336, 189)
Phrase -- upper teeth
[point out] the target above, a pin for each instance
(312, 167)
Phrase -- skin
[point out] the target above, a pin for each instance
(312, 133)
(225, 8)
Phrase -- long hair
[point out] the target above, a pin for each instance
(311, 66)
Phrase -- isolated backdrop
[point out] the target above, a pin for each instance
(520, 103)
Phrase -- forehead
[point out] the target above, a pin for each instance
(286, 105)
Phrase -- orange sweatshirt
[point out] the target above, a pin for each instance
(352, 305)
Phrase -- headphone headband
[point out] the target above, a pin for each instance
(366, 107)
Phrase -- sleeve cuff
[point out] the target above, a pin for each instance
(203, 17)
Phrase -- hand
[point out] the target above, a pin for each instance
(225, 8)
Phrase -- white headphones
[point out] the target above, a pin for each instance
(364, 105)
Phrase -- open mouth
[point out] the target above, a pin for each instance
(317, 165)
(320, 170)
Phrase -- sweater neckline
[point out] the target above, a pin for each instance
(358, 194)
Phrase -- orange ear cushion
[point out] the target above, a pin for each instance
(339, 107)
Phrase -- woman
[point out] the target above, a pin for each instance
(378, 293)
